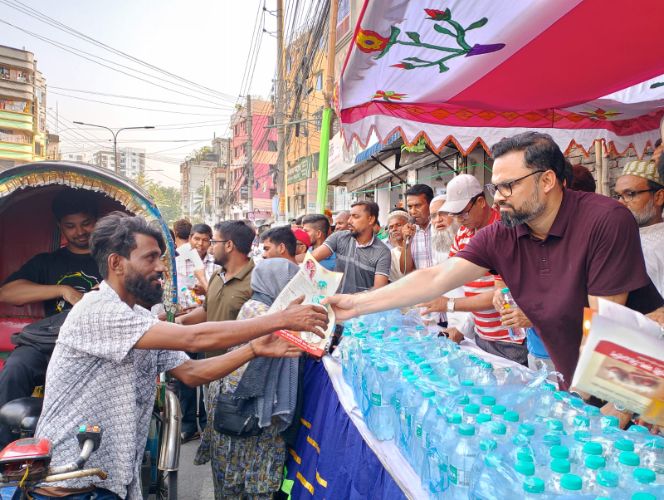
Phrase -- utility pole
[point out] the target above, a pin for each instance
(282, 176)
(326, 119)
(250, 160)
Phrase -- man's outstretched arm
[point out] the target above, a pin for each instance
(414, 288)
(21, 291)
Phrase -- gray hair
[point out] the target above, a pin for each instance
(397, 213)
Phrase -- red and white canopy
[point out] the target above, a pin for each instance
(475, 71)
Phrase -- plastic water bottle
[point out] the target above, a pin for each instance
(417, 445)
(511, 419)
(470, 413)
(381, 415)
(533, 488)
(462, 456)
(576, 447)
(643, 480)
(443, 446)
(652, 455)
(607, 485)
(571, 484)
(628, 461)
(410, 402)
(516, 334)
(434, 473)
(558, 468)
(594, 464)
(543, 451)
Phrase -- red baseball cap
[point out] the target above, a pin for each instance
(302, 236)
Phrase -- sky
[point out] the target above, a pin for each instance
(204, 41)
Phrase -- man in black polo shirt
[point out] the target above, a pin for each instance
(557, 250)
(363, 258)
(57, 279)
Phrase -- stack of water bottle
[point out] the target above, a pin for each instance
(472, 431)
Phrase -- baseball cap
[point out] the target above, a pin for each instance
(460, 191)
(302, 236)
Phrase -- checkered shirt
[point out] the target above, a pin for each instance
(97, 377)
(420, 248)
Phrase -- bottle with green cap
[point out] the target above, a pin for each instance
(462, 456)
(381, 417)
(608, 485)
(511, 419)
(533, 488)
(652, 455)
(593, 464)
(470, 413)
(557, 469)
(446, 441)
(434, 430)
(644, 480)
(628, 461)
(571, 484)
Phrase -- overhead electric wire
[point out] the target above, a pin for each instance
(139, 98)
(133, 107)
(78, 52)
(20, 6)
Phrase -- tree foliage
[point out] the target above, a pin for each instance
(167, 199)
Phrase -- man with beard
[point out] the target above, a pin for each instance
(444, 228)
(557, 250)
(111, 349)
(230, 286)
(57, 279)
(639, 188)
(467, 204)
(396, 221)
(361, 256)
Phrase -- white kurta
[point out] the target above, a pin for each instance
(652, 242)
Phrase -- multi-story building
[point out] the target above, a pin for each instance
(23, 135)
(131, 160)
(221, 199)
(80, 156)
(304, 103)
(53, 147)
(195, 185)
(263, 158)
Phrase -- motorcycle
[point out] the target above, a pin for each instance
(27, 228)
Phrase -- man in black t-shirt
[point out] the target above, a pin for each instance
(58, 280)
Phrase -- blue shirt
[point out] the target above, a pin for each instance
(330, 262)
(535, 345)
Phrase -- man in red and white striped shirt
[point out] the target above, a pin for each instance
(467, 203)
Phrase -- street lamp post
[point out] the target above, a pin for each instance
(115, 138)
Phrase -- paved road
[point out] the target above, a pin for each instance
(194, 481)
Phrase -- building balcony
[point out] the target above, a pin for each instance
(16, 121)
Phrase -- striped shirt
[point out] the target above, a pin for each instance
(487, 322)
(420, 248)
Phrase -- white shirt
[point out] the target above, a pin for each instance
(652, 242)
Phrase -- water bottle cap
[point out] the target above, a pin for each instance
(571, 482)
(498, 428)
(607, 478)
(483, 418)
(498, 410)
(592, 448)
(395, 340)
(560, 396)
(576, 402)
(560, 465)
(559, 452)
(464, 400)
(533, 485)
(511, 416)
(412, 378)
(407, 371)
(527, 429)
(486, 365)
(656, 443)
(382, 367)
(427, 393)
(644, 476)
(453, 391)
(488, 445)
(595, 462)
(525, 468)
(581, 421)
(367, 350)
(488, 400)
(477, 391)
(472, 409)
(548, 387)
(505, 291)
(426, 370)
(551, 439)
(524, 456)
(629, 458)
(435, 378)
(582, 436)
(610, 421)
(555, 425)
(592, 411)
(643, 495)
(624, 445)
(394, 329)
(638, 429)
(466, 430)
(454, 418)
(467, 383)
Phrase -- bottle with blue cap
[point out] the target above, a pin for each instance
(557, 469)
(443, 445)
(533, 488)
(462, 456)
(417, 444)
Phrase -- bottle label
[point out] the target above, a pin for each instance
(375, 399)
(418, 431)
(454, 476)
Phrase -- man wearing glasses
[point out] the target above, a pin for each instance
(640, 189)
(468, 205)
(557, 250)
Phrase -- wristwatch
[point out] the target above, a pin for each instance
(450, 305)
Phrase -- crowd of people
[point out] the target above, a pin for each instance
(538, 228)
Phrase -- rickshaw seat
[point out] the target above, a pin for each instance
(8, 327)
(21, 415)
